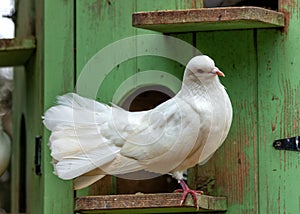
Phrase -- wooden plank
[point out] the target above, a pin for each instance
(45, 75)
(100, 23)
(207, 19)
(232, 171)
(163, 201)
(16, 51)
(56, 58)
(26, 97)
(279, 104)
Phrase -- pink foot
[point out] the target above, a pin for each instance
(186, 190)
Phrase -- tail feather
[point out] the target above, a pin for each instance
(86, 180)
(75, 101)
(78, 142)
(75, 165)
(121, 165)
(73, 110)
(87, 135)
(58, 116)
(67, 142)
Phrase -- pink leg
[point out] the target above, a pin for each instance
(186, 190)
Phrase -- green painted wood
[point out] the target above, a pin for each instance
(157, 5)
(49, 72)
(255, 177)
(208, 19)
(278, 101)
(100, 23)
(18, 97)
(22, 146)
(94, 34)
(232, 171)
(57, 43)
(262, 79)
(16, 51)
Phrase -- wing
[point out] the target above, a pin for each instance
(168, 134)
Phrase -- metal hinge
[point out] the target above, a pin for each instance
(38, 155)
(291, 144)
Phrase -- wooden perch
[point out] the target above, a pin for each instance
(208, 19)
(16, 51)
(147, 203)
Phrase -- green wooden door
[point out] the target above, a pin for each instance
(257, 63)
(232, 172)
(262, 79)
(48, 73)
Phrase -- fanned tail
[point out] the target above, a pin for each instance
(79, 140)
(75, 110)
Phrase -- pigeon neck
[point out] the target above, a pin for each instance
(193, 85)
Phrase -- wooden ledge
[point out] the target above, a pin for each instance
(147, 203)
(208, 19)
(16, 51)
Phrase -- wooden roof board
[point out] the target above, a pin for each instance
(148, 203)
(208, 19)
(14, 52)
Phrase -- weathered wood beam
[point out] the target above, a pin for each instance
(14, 52)
(208, 19)
(162, 202)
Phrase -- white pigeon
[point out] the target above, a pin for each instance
(5, 117)
(5, 149)
(90, 140)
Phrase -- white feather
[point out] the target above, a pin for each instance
(85, 180)
(5, 150)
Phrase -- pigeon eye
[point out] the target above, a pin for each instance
(200, 71)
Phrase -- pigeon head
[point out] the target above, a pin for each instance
(203, 68)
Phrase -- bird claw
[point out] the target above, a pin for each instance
(193, 194)
(186, 190)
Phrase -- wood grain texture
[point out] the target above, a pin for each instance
(27, 103)
(278, 93)
(278, 101)
(232, 171)
(14, 52)
(55, 46)
(262, 80)
(207, 19)
(146, 201)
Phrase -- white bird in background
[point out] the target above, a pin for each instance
(90, 140)
(6, 87)
(6, 90)
(5, 150)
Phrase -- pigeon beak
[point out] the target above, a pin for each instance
(218, 72)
